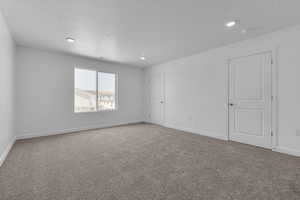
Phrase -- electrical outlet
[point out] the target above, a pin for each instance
(298, 132)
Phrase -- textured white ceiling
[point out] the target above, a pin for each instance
(123, 30)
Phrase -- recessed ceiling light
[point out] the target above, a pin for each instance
(231, 23)
(70, 40)
(142, 58)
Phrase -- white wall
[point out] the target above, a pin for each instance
(7, 88)
(196, 87)
(45, 93)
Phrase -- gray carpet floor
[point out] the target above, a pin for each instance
(145, 162)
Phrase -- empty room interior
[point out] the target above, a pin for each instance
(149, 100)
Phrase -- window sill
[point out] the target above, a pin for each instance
(98, 111)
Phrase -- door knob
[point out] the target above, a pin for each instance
(161, 102)
(231, 104)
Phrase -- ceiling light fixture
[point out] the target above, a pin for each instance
(70, 40)
(142, 58)
(231, 24)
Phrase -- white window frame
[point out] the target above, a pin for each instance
(97, 106)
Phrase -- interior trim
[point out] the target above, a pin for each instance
(73, 130)
(6, 151)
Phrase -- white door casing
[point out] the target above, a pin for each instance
(156, 100)
(250, 93)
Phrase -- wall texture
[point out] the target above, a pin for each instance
(196, 88)
(7, 89)
(45, 93)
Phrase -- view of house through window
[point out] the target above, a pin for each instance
(85, 90)
(90, 97)
(106, 91)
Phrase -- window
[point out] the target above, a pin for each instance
(85, 90)
(94, 91)
(106, 91)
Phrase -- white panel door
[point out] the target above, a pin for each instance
(250, 100)
(156, 94)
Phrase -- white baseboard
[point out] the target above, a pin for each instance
(7, 150)
(289, 151)
(212, 134)
(71, 130)
(202, 132)
(199, 132)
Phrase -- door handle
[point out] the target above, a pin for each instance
(231, 104)
(161, 102)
